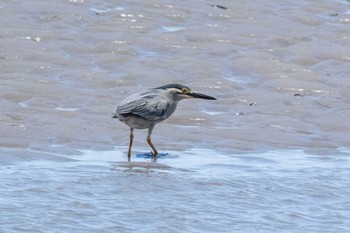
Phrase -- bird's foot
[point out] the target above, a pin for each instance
(154, 156)
(151, 155)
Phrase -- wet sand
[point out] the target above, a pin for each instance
(278, 69)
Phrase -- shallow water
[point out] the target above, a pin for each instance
(198, 190)
(270, 155)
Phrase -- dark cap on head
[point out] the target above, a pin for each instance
(174, 85)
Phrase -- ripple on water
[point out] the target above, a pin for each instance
(173, 28)
(272, 191)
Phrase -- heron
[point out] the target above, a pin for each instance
(145, 109)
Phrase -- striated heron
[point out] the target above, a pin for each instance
(145, 109)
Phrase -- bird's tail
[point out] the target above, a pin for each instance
(115, 115)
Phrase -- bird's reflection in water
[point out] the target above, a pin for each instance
(153, 158)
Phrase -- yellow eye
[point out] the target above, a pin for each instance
(185, 91)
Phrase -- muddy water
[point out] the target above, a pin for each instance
(269, 155)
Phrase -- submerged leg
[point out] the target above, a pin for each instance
(154, 150)
(130, 143)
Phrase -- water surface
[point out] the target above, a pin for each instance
(270, 155)
(198, 190)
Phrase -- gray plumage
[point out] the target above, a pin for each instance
(149, 105)
(145, 109)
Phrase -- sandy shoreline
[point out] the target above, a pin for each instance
(278, 87)
(270, 155)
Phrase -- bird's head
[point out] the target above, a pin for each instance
(180, 92)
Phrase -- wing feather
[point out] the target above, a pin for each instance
(147, 105)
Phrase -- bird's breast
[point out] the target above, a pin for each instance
(135, 122)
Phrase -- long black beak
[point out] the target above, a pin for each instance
(200, 96)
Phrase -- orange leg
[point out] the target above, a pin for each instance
(154, 150)
(130, 144)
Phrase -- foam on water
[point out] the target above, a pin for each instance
(103, 11)
(173, 28)
(67, 109)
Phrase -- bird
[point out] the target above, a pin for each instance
(145, 109)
